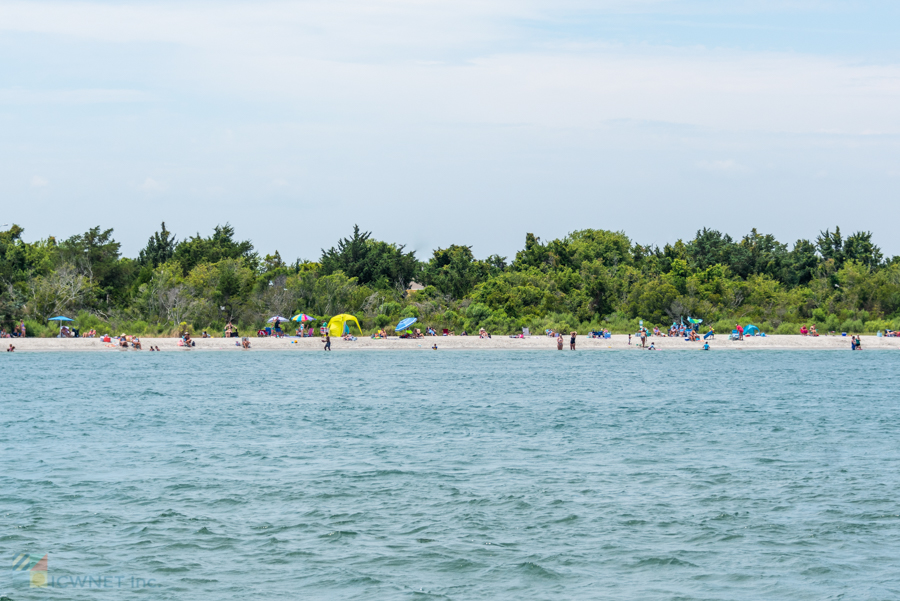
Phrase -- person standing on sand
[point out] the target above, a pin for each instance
(629, 340)
(643, 338)
(572, 341)
(327, 341)
(559, 342)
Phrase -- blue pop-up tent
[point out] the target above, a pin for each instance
(751, 330)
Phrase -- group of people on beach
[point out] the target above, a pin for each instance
(560, 342)
(18, 332)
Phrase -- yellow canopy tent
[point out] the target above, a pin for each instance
(337, 324)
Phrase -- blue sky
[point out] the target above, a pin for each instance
(433, 122)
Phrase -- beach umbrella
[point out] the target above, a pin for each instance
(278, 317)
(303, 317)
(60, 318)
(405, 324)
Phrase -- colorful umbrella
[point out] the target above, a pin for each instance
(303, 317)
(405, 324)
(60, 318)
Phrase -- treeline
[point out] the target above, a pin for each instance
(587, 280)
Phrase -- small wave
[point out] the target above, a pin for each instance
(533, 569)
(338, 534)
(663, 561)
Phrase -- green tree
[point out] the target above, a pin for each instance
(800, 264)
(160, 248)
(859, 247)
(218, 247)
(370, 261)
(95, 254)
(454, 270)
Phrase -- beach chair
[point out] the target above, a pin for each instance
(446, 332)
(525, 332)
(268, 331)
(734, 335)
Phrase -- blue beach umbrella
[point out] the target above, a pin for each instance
(60, 318)
(405, 323)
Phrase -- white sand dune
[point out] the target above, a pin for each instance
(617, 342)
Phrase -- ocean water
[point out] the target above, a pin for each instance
(452, 475)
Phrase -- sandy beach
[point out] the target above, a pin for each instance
(617, 342)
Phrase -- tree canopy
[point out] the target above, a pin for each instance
(588, 278)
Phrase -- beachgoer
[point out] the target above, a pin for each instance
(11, 349)
(559, 342)
(572, 341)
(245, 343)
(652, 347)
(740, 331)
(434, 347)
(705, 346)
(327, 341)
(629, 340)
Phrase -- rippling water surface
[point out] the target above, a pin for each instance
(453, 475)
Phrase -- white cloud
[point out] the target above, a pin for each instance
(723, 166)
(82, 96)
(151, 185)
(39, 182)
(469, 62)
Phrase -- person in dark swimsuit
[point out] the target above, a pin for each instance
(572, 342)
(327, 342)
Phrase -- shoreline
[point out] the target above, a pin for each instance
(617, 342)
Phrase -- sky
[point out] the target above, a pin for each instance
(437, 122)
